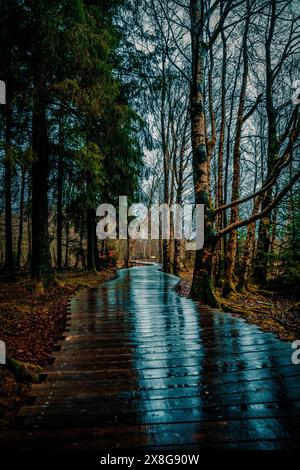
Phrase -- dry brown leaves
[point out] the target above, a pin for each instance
(31, 323)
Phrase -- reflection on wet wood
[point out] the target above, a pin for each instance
(142, 367)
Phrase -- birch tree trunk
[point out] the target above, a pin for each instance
(202, 285)
(228, 287)
(264, 238)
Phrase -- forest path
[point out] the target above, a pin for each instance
(143, 367)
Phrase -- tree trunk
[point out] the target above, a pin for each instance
(228, 154)
(80, 250)
(177, 243)
(127, 255)
(202, 285)
(20, 236)
(29, 210)
(210, 141)
(264, 238)
(66, 263)
(160, 250)
(219, 192)
(59, 210)
(166, 161)
(9, 259)
(41, 268)
(244, 273)
(228, 287)
(96, 250)
(91, 260)
(91, 225)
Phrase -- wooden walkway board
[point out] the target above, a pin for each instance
(141, 366)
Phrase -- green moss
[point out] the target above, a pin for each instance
(210, 234)
(228, 289)
(203, 290)
(204, 199)
(23, 371)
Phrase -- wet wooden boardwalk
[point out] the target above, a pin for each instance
(142, 367)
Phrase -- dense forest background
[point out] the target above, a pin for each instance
(164, 101)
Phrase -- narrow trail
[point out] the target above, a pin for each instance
(143, 367)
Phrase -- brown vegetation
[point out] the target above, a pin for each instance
(31, 323)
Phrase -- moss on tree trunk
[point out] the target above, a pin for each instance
(202, 286)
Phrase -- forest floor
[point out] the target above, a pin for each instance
(276, 312)
(31, 323)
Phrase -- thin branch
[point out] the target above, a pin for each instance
(251, 111)
(259, 215)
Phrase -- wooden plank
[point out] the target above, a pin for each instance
(74, 372)
(282, 389)
(159, 436)
(122, 354)
(158, 361)
(200, 381)
(196, 416)
(143, 367)
(229, 407)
